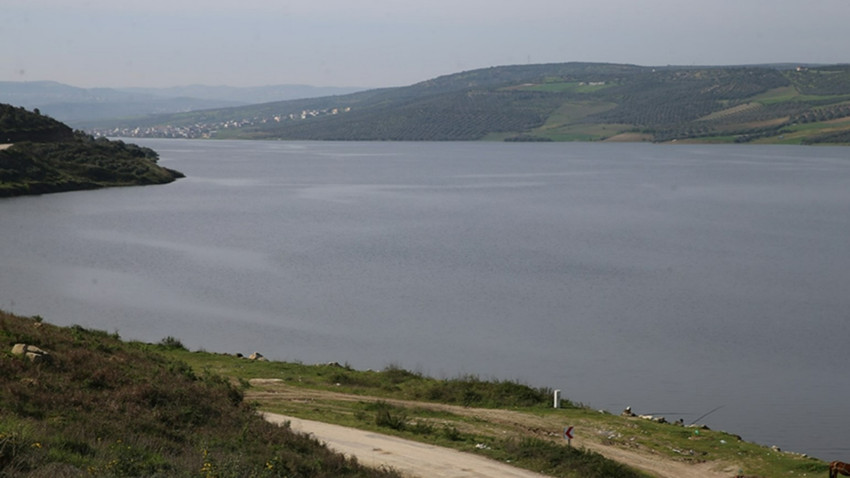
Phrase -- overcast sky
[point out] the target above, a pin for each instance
(374, 43)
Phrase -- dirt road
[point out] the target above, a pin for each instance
(653, 464)
(410, 458)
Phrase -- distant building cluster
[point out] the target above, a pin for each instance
(203, 130)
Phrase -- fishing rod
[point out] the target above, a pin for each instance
(707, 414)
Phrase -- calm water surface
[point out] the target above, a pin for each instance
(673, 279)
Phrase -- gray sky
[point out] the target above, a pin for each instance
(375, 43)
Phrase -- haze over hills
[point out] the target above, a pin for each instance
(550, 102)
(245, 95)
(77, 106)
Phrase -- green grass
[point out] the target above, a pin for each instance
(830, 99)
(565, 86)
(789, 93)
(574, 111)
(582, 132)
(567, 123)
(821, 125)
(463, 428)
(392, 382)
(776, 95)
(729, 112)
(801, 133)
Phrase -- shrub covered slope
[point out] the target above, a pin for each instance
(102, 407)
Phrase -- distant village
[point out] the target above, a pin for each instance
(202, 130)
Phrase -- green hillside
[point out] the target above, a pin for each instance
(92, 405)
(41, 155)
(552, 102)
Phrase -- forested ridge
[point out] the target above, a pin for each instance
(560, 102)
(42, 155)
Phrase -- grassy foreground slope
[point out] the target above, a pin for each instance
(99, 406)
(43, 156)
(503, 420)
(102, 407)
(553, 102)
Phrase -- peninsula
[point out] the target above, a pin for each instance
(40, 155)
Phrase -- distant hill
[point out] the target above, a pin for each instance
(244, 95)
(41, 155)
(551, 102)
(79, 106)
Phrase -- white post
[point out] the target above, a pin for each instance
(557, 399)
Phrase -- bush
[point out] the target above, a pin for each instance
(452, 433)
(473, 392)
(388, 416)
(172, 343)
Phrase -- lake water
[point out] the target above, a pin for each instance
(672, 279)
